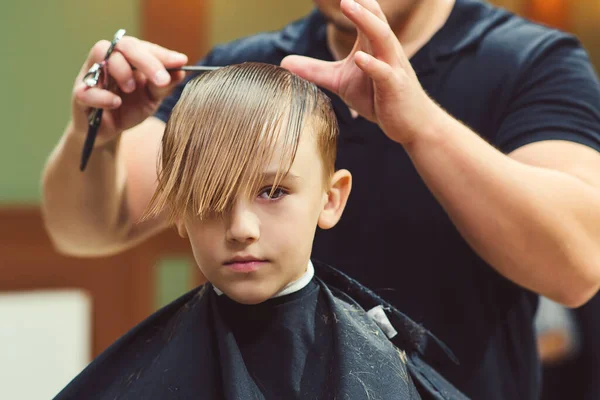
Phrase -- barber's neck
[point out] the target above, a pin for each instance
(413, 30)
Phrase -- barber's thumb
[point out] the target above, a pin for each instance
(321, 73)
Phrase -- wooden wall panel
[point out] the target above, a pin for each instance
(180, 25)
(555, 13)
(121, 287)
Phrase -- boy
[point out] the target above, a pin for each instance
(247, 172)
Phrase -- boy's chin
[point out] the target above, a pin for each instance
(249, 295)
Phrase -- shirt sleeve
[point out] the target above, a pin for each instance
(556, 97)
(165, 108)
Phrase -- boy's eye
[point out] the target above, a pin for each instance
(278, 192)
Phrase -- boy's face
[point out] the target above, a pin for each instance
(263, 243)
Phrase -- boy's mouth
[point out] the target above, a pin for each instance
(244, 263)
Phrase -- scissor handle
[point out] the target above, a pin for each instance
(92, 77)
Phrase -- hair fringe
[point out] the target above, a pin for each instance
(225, 129)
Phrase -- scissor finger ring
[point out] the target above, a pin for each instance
(92, 77)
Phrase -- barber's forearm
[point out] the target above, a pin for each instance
(538, 227)
(83, 211)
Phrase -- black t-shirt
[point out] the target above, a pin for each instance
(511, 81)
(285, 342)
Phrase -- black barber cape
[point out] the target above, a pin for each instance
(316, 343)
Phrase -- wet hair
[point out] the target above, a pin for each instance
(224, 131)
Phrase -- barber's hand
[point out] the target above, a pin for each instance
(137, 94)
(376, 79)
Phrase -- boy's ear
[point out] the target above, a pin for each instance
(180, 224)
(335, 199)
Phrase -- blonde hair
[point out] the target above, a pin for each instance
(224, 130)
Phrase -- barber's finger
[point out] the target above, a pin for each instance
(121, 71)
(96, 54)
(374, 7)
(383, 43)
(160, 92)
(321, 73)
(177, 77)
(138, 55)
(169, 58)
(140, 79)
(96, 98)
(380, 72)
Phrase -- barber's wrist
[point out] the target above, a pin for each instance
(73, 140)
(430, 130)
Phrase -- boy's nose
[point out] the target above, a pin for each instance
(242, 224)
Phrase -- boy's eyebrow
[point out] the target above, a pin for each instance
(270, 176)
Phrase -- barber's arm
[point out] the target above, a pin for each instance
(533, 215)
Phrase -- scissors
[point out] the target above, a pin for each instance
(98, 71)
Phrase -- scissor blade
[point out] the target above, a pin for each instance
(88, 146)
(194, 68)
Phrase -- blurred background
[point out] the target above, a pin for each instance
(58, 312)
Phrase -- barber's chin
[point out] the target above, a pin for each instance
(348, 28)
(339, 21)
(343, 25)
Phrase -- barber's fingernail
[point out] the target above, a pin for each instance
(129, 85)
(162, 77)
(116, 102)
(354, 5)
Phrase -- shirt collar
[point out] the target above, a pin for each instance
(467, 25)
(465, 28)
